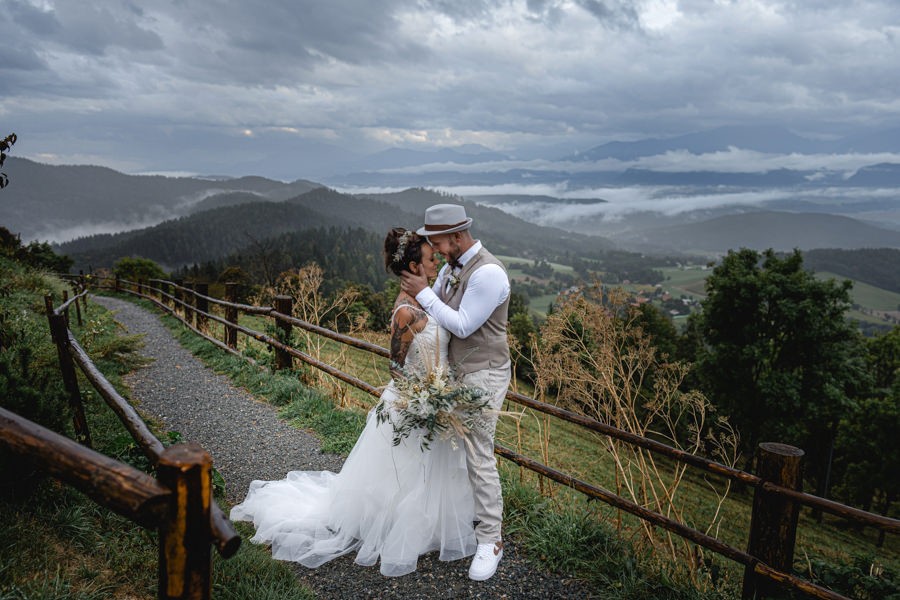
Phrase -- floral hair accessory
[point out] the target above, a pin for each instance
(401, 246)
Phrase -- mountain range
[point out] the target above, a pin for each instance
(704, 193)
(767, 139)
(214, 233)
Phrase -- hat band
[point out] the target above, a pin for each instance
(440, 227)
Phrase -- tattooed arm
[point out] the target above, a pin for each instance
(407, 322)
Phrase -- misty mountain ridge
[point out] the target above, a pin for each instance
(43, 199)
(766, 139)
(760, 230)
(215, 233)
(57, 203)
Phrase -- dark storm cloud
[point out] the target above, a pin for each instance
(280, 41)
(507, 74)
(83, 27)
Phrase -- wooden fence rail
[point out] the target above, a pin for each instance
(777, 496)
(178, 503)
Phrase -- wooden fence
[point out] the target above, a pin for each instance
(777, 484)
(178, 502)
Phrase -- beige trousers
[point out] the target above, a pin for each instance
(482, 463)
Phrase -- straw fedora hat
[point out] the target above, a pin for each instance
(444, 218)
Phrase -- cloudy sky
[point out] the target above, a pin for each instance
(226, 86)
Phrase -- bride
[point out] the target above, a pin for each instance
(388, 502)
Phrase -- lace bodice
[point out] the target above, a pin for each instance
(422, 352)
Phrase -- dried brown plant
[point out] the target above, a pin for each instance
(304, 285)
(593, 358)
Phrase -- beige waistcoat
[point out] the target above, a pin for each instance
(487, 347)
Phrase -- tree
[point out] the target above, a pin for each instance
(867, 454)
(777, 355)
(36, 254)
(658, 325)
(5, 145)
(135, 268)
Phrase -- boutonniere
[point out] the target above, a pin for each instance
(453, 280)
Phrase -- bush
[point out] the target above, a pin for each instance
(864, 578)
(28, 359)
(135, 268)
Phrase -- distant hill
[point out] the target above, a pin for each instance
(200, 237)
(501, 231)
(879, 267)
(765, 229)
(43, 200)
(768, 139)
(212, 234)
(761, 139)
(393, 158)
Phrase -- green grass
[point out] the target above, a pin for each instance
(575, 537)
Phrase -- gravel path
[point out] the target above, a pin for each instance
(247, 441)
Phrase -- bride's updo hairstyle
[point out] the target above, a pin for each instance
(401, 247)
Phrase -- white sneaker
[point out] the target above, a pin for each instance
(487, 557)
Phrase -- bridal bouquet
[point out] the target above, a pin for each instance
(432, 401)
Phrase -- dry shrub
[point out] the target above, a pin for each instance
(304, 285)
(594, 359)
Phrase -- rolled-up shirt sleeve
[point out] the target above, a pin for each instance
(487, 289)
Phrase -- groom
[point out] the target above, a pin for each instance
(470, 298)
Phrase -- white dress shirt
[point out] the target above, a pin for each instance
(487, 289)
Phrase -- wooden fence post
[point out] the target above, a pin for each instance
(184, 535)
(140, 286)
(178, 296)
(189, 301)
(82, 280)
(65, 299)
(773, 524)
(202, 305)
(77, 308)
(118, 284)
(284, 305)
(164, 293)
(231, 315)
(59, 332)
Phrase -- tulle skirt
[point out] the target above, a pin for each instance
(389, 502)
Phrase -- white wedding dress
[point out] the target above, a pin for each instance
(391, 503)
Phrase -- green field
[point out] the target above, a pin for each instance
(508, 260)
(867, 295)
(688, 281)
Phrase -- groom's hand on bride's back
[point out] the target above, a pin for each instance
(413, 283)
